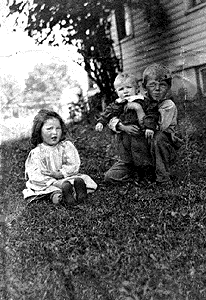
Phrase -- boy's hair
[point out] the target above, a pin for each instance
(39, 120)
(121, 77)
(158, 71)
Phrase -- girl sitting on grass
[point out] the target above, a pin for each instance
(52, 167)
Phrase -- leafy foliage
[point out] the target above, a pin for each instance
(84, 23)
(10, 90)
(46, 82)
(128, 242)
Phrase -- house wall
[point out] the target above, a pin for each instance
(182, 46)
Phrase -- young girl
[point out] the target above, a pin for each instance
(52, 167)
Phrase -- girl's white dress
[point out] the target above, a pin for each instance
(63, 157)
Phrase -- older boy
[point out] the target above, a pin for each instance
(157, 83)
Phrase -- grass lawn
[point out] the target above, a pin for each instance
(126, 243)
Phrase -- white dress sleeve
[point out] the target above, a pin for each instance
(168, 112)
(71, 160)
(33, 167)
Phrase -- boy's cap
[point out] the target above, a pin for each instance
(157, 71)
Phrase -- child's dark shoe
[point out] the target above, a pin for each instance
(80, 189)
(68, 194)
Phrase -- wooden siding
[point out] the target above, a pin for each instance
(183, 45)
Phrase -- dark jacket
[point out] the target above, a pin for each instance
(129, 116)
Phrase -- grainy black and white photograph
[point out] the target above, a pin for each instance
(103, 150)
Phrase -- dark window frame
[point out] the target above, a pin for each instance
(120, 21)
(195, 3)
(202, 76)
(120, 17)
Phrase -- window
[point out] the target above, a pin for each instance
(197, 2)
(194, 4)
(123, 20)
(203, 79)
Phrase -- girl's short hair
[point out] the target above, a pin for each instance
(122, 77)
(39, 120)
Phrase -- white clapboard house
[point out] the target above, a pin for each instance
(181, 45)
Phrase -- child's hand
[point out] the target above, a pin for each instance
(149, 133)
(129, 129)
(99, 127)
(53, 174)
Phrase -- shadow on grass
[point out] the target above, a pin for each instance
(126, 243)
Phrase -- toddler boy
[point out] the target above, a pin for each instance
(126, 86)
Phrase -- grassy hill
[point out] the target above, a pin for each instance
(128, 242)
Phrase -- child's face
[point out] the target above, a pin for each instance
(125, 89)
(51, 132)
(157, 89)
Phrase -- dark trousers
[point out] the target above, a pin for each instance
(164, 155)
(136, 153)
